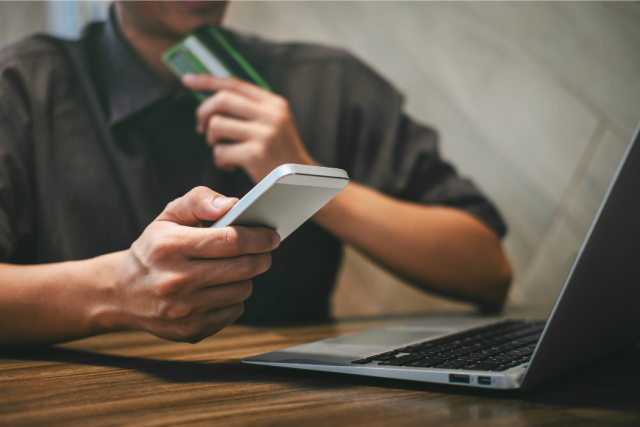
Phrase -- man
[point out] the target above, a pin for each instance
(97, 137)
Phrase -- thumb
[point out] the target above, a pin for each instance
(199, 204)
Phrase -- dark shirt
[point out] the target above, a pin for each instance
(93, 145)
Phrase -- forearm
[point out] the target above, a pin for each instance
(439, 248)
(178, 281)
(50, 303)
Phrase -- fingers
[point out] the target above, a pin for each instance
(199, 204)
(209, 243)
(220, 296)
(259, 122)
(204, 314)
(228, 156)
(219, 251)
(209, 324)
(227, 103)
(196, 329)
(224, 128)
(203, 301)
(227, 242)
(200, 273)
(177, 262)
(205, 273)
(210, 83)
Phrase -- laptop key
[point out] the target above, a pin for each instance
(496, 360)
(431, 361)
(381, 357)
(488, 353)
(402, 360)
(416, 364)
(426, 353)
(424, 363)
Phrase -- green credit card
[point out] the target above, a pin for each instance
(206, 51)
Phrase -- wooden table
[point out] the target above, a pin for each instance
(133, 378)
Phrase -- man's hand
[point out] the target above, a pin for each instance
(178, 281)
(185, 282)
(248, 127)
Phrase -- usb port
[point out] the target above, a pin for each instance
(455, 378)
(484, 380)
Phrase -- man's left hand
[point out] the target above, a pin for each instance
(247, 126)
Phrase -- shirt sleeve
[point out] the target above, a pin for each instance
(16, 194)
(392, 153)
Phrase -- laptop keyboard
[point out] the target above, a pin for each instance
(496, 347)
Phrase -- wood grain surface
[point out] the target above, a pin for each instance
(132, 378)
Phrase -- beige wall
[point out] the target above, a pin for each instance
(535, 101)
(17, 19)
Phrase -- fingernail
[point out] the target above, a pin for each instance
(188, 78)
(276, 240)
(221, 202)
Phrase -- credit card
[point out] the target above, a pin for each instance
(206, 51)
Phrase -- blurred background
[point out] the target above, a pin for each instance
(535, 101)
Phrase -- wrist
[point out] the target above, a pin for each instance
(111, 273)
(339, 215)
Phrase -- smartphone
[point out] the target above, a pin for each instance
(207, 51)
(286, 198)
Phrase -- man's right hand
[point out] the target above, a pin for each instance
(184, 282)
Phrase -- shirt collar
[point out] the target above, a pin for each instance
(131, 84)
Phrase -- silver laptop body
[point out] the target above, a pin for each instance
(596, 313)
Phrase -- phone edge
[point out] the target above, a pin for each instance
(268, 181)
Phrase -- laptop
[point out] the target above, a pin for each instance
(597, 313)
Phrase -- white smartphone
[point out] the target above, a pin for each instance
(286, 198)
